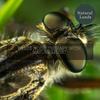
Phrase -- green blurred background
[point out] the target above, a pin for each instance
(17, 16)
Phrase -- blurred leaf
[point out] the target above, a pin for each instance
(97, 48)
(1, 2)
(56, 93)
(7, 11)
(91, 70)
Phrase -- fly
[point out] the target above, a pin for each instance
(56, 48)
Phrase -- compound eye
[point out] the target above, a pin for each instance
(54, 21)
(74, 56)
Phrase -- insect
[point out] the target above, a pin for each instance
(55, 49)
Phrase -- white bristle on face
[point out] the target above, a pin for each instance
(59, 73)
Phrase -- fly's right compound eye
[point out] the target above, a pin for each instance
(74, 55)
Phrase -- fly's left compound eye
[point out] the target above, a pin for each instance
(55, 20)
(74, 55)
